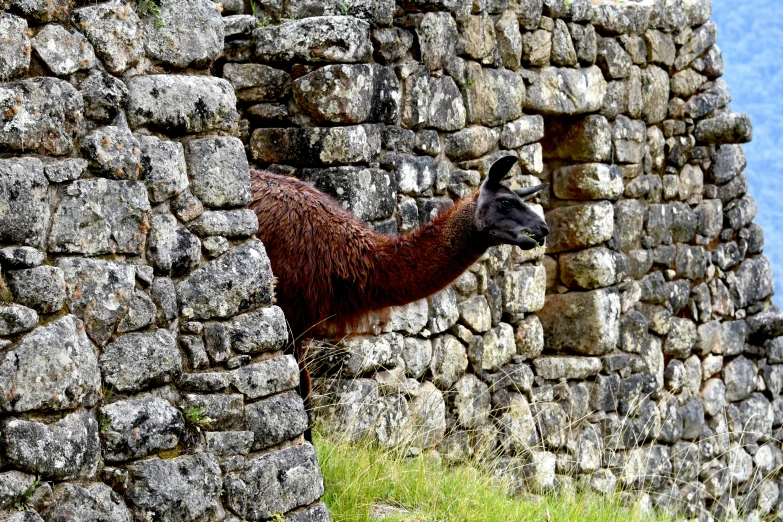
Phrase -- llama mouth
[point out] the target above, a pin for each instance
(539, 241)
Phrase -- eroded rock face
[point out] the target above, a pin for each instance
(24, 212)
(316, 39)
(566, 91)
(114, 30)
(190, 32)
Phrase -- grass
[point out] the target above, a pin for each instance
(358, 476)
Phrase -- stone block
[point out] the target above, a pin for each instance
(239, 280)
(100, 216)
(137, 360)
(587, 181)
(556, 368)
(449, 360)
(275, 420)
(53, 367)
(316, 146)
(585, 139)
(566, 91)
(191, 33)
(725, 128)
(25, 207)
(171, 249)
(266, 377)
(588, 269)
(163, 167)
(471, 402)
(14, 46)
(525, 130)
(62, 51)
(316, 39)
(115, 31)
(274, 482)
(655, 94)
(751, 282)
(581, 226)
(585, 322)
(181, 104)
(228, 223)
(41, 288)
(182, 488)
(613, 60)
(446, 110)
(219, 172)
(92, 502)
(139, 427)
(523, 289)
(66, 449)
(699, 41)
(349, 94)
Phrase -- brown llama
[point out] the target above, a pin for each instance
(332, 269)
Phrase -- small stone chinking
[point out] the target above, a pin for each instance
(143, 371)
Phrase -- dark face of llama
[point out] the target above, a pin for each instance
(502, 214)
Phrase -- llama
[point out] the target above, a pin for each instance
(332, 269)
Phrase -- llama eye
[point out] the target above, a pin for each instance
(506, 203)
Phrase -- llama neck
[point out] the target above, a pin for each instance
(418, 264)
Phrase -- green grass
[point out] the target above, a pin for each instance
(357, 476)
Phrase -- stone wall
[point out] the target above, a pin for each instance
(639, 349)
(143, 373)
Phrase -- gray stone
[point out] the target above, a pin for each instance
(728, 162)
(239, 280)
(576, 227)
(392, 43)
(751, 282)
(316, 146)
(255, 82)
(612, 58)
(740, 212)
(25, 210)
(646, 466)
(523, 289)
(555, 368)
(709, 100)
(182, 488)
(586, 139)
(509, 40)
(266, 377)
(275, 420)
(92, 502)
(139, 427)
(739, 375)
(100, 216)
(316, 39)
(140, 313)
(655, 94)
(686, 83)
(563, 52)
(475, 314)
(65, 170)
(725, 128)
(137, 360)
(585, 42)
(566, 91)
(14, 484)
(496, 349)
(219, 172)
(470, 143)
(681, 338)
(622, 18)
(191, 32)
(275, 482)
(14, 45)
(518, 428)
(588, 269)
(446, 110)
(366, 353)
(380, 12)
(41, 288)
(181, 104)
(536, 48)
(163, 168)
(349, 94)
(527, 129)
(97, 290)
(443, 311)
(16, 318)
(171, 249)
(691, 261)
(471, 402)
(66, 449)
(449, 360)
(660, 47)
(228, 223)
(417, 354)
(369, 193)
(54, 367)
(529, 337)
(495, 97)
(227, 443)
(585, 322)
(43, 115)
(104, 96)
(62, 51)
(700, 40)
(115, 31)
(587, 181)
(629, 138)
(262, 330)
(222, 411)
(754, 420)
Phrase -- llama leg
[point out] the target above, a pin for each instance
(305, 388)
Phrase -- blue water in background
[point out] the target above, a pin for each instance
(750, 35)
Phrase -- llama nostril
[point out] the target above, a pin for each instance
(544, 230)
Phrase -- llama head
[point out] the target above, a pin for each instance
(502, 214)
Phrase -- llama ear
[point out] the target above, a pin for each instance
(529, 191)
(498, 171)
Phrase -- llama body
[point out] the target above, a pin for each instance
(331, 269)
